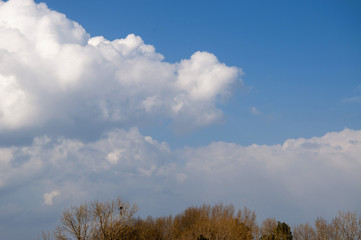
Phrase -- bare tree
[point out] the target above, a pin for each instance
(114, 220)
(346, 226)
(275, 230)
(111, 218)
(45, 236)
(322, 229)
(304, 232)
(96, 220)
(248, 218)
(268, 226)
(77, 222)
(58, 234)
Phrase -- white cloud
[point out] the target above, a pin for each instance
(48, 197)
(14, 107)
(255, 111)
(52, 71)
(294, 181)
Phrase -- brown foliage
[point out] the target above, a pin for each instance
(345, 226)
(304, 232)
(115, 220)
(96, 220)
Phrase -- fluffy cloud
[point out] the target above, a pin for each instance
(48, 197)
(53, 76)
(53, 72)
(294, 181)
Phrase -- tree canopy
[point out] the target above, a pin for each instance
(115, 220)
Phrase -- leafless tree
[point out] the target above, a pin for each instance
(77, 222)
(95, 221)
(111, 218)
(248, 218)
(346, 226)
(322, 229)
(268, 226)
(304, 232)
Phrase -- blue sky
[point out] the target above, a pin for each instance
(171, 104)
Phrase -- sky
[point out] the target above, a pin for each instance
(171, 104)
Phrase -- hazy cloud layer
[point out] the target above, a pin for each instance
(52, 71)
(296, 181)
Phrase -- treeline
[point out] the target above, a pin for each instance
(115, 220)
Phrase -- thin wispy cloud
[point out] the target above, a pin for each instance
(356, 99)
(255, 111)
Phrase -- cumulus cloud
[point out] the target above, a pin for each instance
(53, 75)
(53, 71)
(48, 197)
(295, 181)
